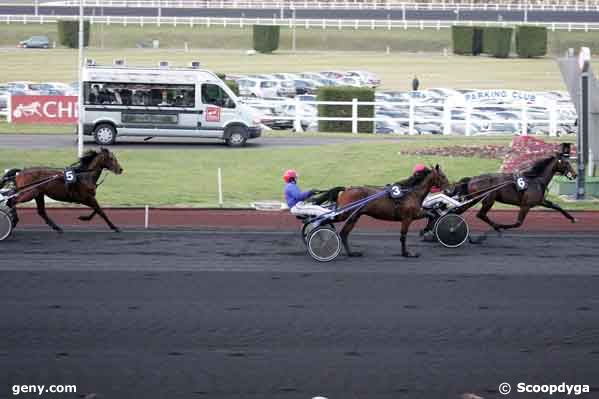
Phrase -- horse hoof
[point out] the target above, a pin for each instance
(574, 220)
(116, 230)
(355, 254)
(410, 255)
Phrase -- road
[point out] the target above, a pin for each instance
(24, 141)
(450, 14)
(192, 314)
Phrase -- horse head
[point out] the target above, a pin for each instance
(109, 161)
(439, 178)
(564, 167)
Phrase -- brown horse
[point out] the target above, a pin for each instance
(83, 191)
(406, 209)
(535, 182)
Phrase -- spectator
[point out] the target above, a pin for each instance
(415, 84)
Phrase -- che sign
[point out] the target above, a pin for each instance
(43, 109)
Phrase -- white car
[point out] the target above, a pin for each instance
(23, 87)
(251, 87)
(351, 81)
(368, 78)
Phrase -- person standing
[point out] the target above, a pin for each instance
(415, 84)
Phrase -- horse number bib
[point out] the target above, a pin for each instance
(70, 177)
(396, 192)
(521, 183)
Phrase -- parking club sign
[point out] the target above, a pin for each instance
(43, 109)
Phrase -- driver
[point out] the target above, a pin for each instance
(295, 197)
(436, 197)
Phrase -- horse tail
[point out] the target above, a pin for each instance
(10, 176)
(328, 196)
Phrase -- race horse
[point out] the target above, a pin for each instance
(526, 189)
(404, 209)
(39, 182)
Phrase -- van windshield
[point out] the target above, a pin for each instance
(215, 95)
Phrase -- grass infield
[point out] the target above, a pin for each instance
(189, 177)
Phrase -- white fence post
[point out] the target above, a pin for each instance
(411, 121)
(297, 122)
(220, 188)
(147, 217)
(468, 119)
(446, 118)
(553, 120)
(354, 115)
(524, 119)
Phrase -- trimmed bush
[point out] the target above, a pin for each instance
(497, 41)
(266, 38)
(531, 41)
(68, 33)
(231, 83)
(345, 93)
(467, 40)
(462, 38)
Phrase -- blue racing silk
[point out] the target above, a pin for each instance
(293, 194)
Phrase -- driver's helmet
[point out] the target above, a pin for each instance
(419, 167)
(290, 175)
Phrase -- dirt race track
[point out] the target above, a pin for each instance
(209, 314)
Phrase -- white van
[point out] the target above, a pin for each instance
(163, 102)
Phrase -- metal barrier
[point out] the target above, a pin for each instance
(448, 124)
(335, 5)
(288, 22)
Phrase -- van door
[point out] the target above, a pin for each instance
(216, 109)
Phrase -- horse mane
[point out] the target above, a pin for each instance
(86, 159)
(538, 167)
(415, 179)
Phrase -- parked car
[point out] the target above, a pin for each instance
(305, 86)
(35, 42)
(252, 87)
(285, 88)
(23, 88)
(368, 78)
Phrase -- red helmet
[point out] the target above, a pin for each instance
(289, 174)
(418, 168)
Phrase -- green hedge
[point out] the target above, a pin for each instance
(497, 41)
(231, 83)
(467, 40)
(531, 41)
(345, 93)
(68, 33)
(266, 38)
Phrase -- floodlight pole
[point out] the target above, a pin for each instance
(80, 96)
(582, 139)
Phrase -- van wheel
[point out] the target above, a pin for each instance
(104, 134)
(236, 137)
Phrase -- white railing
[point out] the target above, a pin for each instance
(555, 116)
(335, 5)
(287, 22)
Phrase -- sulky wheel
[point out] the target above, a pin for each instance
(324, 244)
(309, 227)
(5, 225)
(452, 230)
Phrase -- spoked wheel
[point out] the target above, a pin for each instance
(324, 244)
(309, 227)
(6, 224)
(452, 230)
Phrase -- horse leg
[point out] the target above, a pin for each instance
(344, 234)
(41, 210)
(484, 210)
(405, 226)
(551, 205)
(521, 216)
(88, 217)
(92, 203)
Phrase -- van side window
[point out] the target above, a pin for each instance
(139, 94)
(214, 95)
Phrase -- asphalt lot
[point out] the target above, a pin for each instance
(186, 314)
(23, 141)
